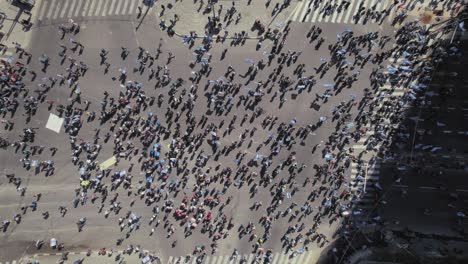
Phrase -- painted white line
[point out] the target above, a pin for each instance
(350, 11)
(92, 8)
(58, 9)
(275, 259)
(250, 258)
(327, 18)
(64, 8)
(461, 190)
(400, 186)
(398, 93)
(427, 188)
(118, 6)
(98, 8)
(112, 5)
(308, 259)
(73, 7)
(340, 16)
(85, 7)
(359, 147)
(334, 15)
(79, 7)
(301, 11)
(131, 8)
(104, 8)
(317, 11)
(42, 8)
(51, 9)
(295, 12)
(124, 9)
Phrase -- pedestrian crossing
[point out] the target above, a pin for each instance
(364, 179)
(8, 262)
(306, 11)
(66, 9)
(277, 258)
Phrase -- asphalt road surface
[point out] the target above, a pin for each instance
(111, 33)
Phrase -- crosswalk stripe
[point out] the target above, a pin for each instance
(317, 11)
(304, 12)
(383, 5)
(51, 9)
(335, 14)
(78, 7)
(275, 259)
(368, 5)
(194, 260)
(283, 258)
(105, 7)
(213, 260)
(92, 8)
(42, 8)
(342, 15)
(64, 8)
(98, 7)
(119, 5)
(124, 9)
(86, 7)
(250, 258)
(132, 6)
(307, 259)
(225, 259)
(57, 9)
(112, 7)
(297, 11)
(351, 8)
(73, 7)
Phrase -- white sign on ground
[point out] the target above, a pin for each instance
(54, 123)
(108, 163)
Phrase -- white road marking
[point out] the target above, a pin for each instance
(51, 9)
(98, 8)
(65, 7)
(57, 10)
(92, 7)
(297, 12)
(124, 10)
(73, 7)
(111, 8)
(42, 8)
(131, 8)
(104, 8)
(428, 188)
(79, 7)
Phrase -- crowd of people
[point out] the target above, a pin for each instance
(182, 150)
